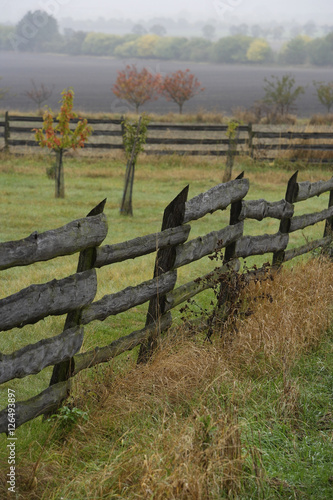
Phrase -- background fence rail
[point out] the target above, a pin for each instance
(75, 294)
(164, 139)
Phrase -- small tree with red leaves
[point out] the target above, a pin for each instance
(136, 87)
(61, 137)
(180, 87)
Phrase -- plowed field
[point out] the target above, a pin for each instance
(226, 86)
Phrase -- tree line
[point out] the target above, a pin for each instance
(39, 31)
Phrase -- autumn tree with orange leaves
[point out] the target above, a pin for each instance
(136, 87)
(180, 87)
(61, 137)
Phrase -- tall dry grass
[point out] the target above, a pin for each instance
(288, 314)
(321, 119)
(307, 155)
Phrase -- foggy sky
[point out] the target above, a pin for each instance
(224, 10)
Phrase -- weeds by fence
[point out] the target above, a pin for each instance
(259, 142)
(75, 294)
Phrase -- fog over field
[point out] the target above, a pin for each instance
(228, 10)
(226, 86)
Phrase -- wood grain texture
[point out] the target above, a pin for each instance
(143, 245)
(71, 238)
(309, 247)
(260, 209)
(33, 358)
(307, 190)
(208, 244)
(259, 245)
(53, 298)
(216, 198)
(46, 401)
(302, 221)
(129, 297)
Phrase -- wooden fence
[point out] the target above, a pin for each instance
(75, 294)
(258, 142)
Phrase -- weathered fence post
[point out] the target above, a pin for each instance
(225, 287)
(64, 370)
(235, 210)
(165, 259)
(250, 143)
(233, 134)
(122, 124)
(7, 132)
(291, 195)
(329, 222)
(328, 231)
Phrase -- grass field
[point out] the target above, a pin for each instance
(248, 419)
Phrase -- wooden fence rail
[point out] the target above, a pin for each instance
(196, 139)
(75, 294)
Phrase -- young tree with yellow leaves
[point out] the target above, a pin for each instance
(61, 137)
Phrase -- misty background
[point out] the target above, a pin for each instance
(242, 10)
(240, 43)
(84, 14)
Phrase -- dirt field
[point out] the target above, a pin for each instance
(226, 86)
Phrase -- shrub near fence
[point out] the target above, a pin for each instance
(163, 139)
(75, 294)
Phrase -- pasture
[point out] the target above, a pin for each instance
(226, 86)
(270, 399)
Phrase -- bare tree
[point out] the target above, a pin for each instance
(39, 94)
(281, 93)
(325, 94)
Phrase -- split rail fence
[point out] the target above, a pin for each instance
(74, 295)
(164, 139)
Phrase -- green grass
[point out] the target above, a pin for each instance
(295, 443)
(295, 448)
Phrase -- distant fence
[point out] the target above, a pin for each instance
(75, 294)
(165, 139)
